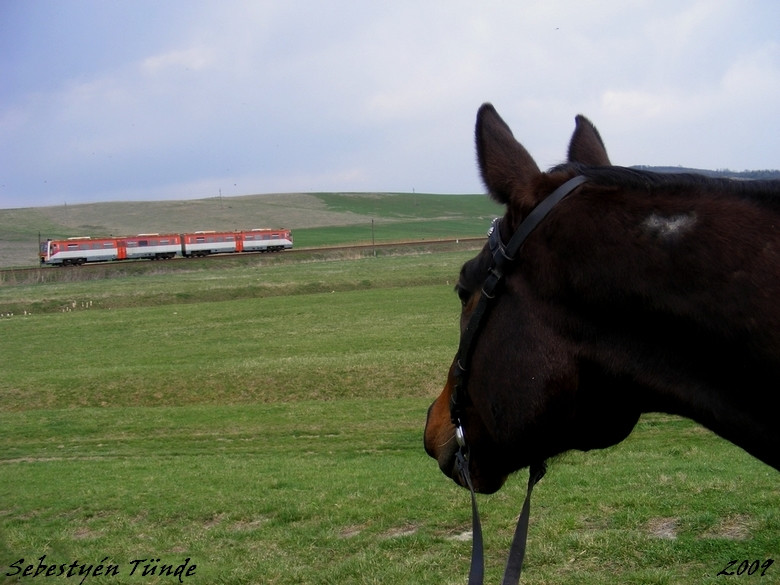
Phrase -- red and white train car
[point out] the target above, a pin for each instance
(265, 240)
(149, 246)
(205, 243)
(78, 250)
(255, 240)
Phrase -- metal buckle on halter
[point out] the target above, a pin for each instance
(460, 435)
(494, 235)
(497, 247)
(492, 239)
(491, 282)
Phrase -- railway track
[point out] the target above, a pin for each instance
(28, 274)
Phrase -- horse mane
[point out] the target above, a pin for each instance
(762, 192)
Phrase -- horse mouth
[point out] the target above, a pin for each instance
(444, 448)
(481, 483)
(446, 458)
(441, 444)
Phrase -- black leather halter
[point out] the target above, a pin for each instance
(502, 257)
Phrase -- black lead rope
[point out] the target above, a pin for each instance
(502, 255)
(514, 564)
(477, 570)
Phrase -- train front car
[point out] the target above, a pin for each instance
(285, 239)
(79, 250)
(266, 240)
(44, 252)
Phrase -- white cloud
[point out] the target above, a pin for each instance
(755, 75)
(192, 59)
(352, 96)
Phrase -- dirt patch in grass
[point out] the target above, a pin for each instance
(350, 531)
(83, 533)
(401, 531)
(737, 527)
(465, 536)
(665, 528)
(248, 525)
(214, 521)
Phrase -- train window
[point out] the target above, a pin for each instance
(275, 236)
(73, 246)
(200, 239)
(108, 244)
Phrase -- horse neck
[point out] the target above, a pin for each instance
(680, 305)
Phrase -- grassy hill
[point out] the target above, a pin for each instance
(316, 219)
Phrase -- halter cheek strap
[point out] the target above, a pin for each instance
(502, 256)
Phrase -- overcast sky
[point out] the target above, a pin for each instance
(178, 99)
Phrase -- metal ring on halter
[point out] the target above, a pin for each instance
(460, 436)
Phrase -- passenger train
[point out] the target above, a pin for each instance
(80, 250)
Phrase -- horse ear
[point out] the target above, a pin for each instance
(586, 146)
(507, 169)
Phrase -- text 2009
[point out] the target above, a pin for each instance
(746, 567)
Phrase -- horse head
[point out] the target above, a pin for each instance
(638, 293)
(522, 381)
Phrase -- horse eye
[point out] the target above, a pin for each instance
(463, 294)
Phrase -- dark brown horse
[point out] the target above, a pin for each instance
(639, 292)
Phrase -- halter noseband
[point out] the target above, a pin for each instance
(502, 257)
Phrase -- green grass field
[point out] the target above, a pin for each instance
(264, 424)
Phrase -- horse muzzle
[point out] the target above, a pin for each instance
(439, 439)
(441, 443)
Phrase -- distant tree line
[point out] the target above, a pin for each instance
(723, 173)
